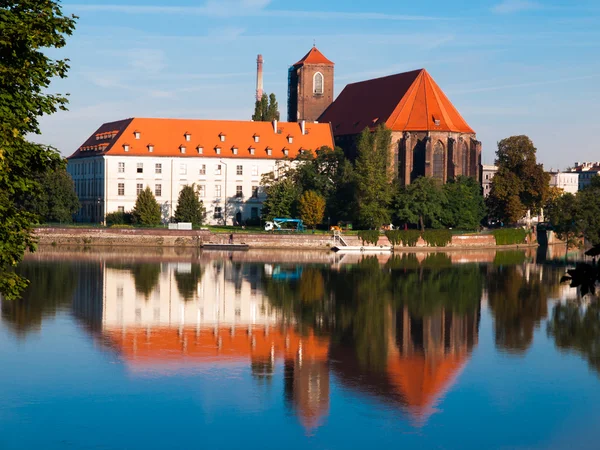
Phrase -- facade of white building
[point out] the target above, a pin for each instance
(567, 181)
(586, 171)
(224, 160)
(487, 174)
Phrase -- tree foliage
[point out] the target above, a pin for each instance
(189, 207)
(312, 208)
(422, 202)
(266, 109)
(58, 201)
(466, 206)
(28, 29)
(520, 183)
(282, 198)
(373, 188)
(146, 210)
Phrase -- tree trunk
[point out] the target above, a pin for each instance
(421, 223)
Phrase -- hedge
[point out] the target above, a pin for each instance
(118, 218)
(510, 236)
(437, 238)
(408, 238)
(369, 236)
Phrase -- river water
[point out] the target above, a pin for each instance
(153, 350)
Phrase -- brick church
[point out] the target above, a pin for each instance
(429, 136)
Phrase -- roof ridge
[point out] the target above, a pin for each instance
(418, 81)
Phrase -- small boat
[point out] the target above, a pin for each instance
(229, 247)
(362, 249)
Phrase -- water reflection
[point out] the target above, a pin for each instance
(398, 329)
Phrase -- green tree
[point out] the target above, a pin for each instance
(562, 213)
(266, 109)
(28, 29)
(58, 202)
(189, 207)
(520, 183)
(466, 206)
(588, 213)
(312, 208)
(282, 199)
(373, 189)
(146, 210)
(422, 203)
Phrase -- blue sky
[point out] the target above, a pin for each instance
(509, 66)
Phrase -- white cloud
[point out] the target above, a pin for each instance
(514, 6)
(241, 8)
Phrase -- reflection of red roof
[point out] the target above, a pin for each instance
(161, 345)
(422, 381)
(410, 101)
(314, 56)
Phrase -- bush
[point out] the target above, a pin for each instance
(409, 238)
(369, 236)
(437, 238)
(118, 218)
(510, 236)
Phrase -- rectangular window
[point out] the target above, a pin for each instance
(218, 214)
(121, 167)
(239, 170)
(158, 190)
(183, 169)
(140, 188)
(203, 169)
(239, 193)
(140, 167)
(255, 191)
(218, 169)
(158, 168)
(201, 191)
(254, 171)
(218, 191)
(121, 209)
(121, 188)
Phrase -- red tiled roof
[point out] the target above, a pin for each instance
(167, 136)
(314, 56)
(409, 101)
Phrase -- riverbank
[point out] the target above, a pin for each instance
(127, 237)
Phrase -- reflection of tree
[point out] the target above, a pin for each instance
(52, 287)
(145, 275)
(518, 303)
(263, 368)
(187, 282)
(578, 330)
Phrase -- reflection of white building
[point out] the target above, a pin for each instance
(222, 295)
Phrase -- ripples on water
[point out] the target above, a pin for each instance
(264, 350)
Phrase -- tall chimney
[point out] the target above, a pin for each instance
(259, 77)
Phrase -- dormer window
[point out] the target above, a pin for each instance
(251, 150)
(187, 136)
(269, 151)
(436, 121)
(126, 147)
(218, 150)
(222, 137)
(290, 139)
(286, 151)
(182, 148)
(200, 149)
(137, 134)
(234, 150)
(150, 148)
(256, 138)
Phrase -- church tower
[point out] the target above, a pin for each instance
(310, 87)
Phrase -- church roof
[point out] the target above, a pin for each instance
(314, 56)
(410, 101)
(234, 139)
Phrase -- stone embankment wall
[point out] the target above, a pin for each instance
(195, 238)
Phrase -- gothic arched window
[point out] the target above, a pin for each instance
(465, 160)
(438, 161)
(318, 83)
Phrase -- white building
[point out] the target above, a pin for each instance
(586, 171)
(225, 160)
(567, 181)
(487, 174)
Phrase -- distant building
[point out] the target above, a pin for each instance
(487, 174)
(225, 160)
(429, 136)
(567, 181)
(586, 171)
(310, 87)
